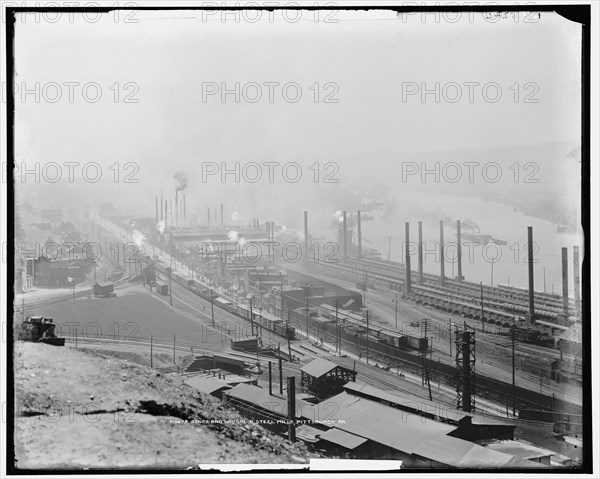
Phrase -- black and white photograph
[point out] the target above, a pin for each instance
(304, 238)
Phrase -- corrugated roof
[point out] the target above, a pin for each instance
(419, 405)
(260, 397)
(372, 420)
(407, 432)
(459, 453)
(206, 385)
(521, 449)
(343, 438)
(319, 367)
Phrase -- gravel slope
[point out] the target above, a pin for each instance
(79, 409)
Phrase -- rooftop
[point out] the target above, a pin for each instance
(319, 367)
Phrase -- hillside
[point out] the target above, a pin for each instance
(77, 409)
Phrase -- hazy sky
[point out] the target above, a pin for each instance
(172, 56)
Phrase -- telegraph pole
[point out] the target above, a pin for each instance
(251, 318)
(336, 327)
(212, 308)
(367, 336)
(396, 310)
(514, 399)
(482, 318)
(307, 312)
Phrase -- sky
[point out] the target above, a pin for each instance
(157, 75)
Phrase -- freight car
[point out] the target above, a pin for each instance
(267, 321)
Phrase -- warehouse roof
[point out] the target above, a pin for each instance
(319, 367)
(343, 438)
(407, 432)
(206, 385)
(521, 449)
(457, 452)
(260, 397)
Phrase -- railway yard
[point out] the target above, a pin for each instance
(403, 338)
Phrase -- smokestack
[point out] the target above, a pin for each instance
(306, 236)
(359, 234)
(345, 239)
(565, 281)
(530, 266)
(272, 231)
(171, 210)
(166, 211)
(176, 208)
(291, 393)
(460, 276)
(442, 273)
(162, 208)
(576, 279)
(268, 233)
(407, 248)
(270, 380)
(184, 212)
(420, 253)
(156, 202)
(222, 220)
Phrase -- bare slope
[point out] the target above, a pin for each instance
(77, 409)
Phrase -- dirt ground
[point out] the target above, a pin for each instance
(81, 409)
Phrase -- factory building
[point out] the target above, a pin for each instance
(365, 422)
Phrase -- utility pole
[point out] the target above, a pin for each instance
(288, 338)
(212, 308)
(367, 337)
(251, 318)
(396, 310)
(450, 335)
(482, 318)
(151, 341)
(170, 289)
(307, 311)
(514, 399)
(336, 326)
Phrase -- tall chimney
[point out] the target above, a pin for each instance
(156, 198)
(460, 276)
(420, 252)
(171, 210)
(306, 236)
(576, 279)
(291, 400)
(166, 211)
(184, 212)
(222, 219)
(530, 266)
(162, 209)
(442, 274)
(359, 234)
(565, 281)
(407, 249)
(267, 226)
(345, 237)
(176, 208)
